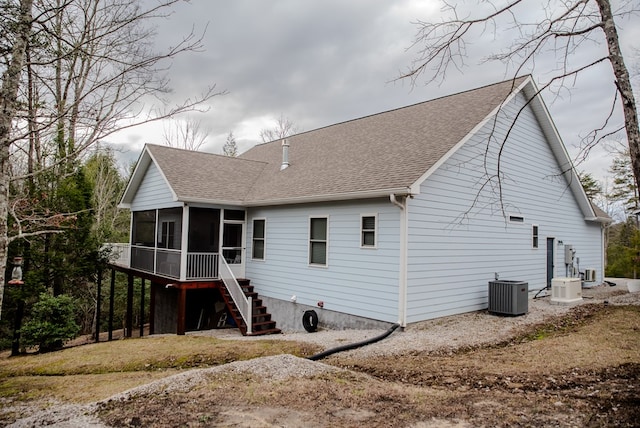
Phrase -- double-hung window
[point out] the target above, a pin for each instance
(368, 225)
(318, 235)
(258, 239)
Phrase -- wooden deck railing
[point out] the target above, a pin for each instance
(202, 265)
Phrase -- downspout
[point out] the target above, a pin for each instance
(402, 280)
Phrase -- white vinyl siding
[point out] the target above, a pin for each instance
(459, 239)
(362, 283)
(153, 192)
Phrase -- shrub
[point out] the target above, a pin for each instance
(51, 324)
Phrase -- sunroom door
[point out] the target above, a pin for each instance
(233, 228)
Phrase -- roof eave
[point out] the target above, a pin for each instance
(415, 187)
(146, 158)
(603, 220)
(194, 200)
(559, 150)
(366, 194)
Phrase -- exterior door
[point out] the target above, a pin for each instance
(233, 228)
(550, 256)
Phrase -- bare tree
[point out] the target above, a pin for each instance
(73, 73)
(230, 147)
(108, 185)
(283, 128)
(565, 30)
(186, 134)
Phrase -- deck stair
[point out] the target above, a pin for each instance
(261, 319)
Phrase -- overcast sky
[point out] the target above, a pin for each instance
(322, 62)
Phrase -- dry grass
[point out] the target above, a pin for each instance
(579, 370)
(591, 337)
(582, 369)
(92, 372)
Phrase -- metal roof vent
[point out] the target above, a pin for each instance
(285, 154)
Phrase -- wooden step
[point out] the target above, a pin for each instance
(261, 319)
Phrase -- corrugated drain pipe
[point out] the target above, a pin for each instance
(342, 348)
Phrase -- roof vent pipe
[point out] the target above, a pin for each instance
(285, 154)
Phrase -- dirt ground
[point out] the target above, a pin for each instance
(580, 369)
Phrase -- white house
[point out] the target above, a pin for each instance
(400, 216)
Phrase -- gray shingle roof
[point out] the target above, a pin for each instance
(198, 176)
(388, 151)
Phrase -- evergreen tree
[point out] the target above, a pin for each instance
(230, 147)
(624, 189)
(591, 186)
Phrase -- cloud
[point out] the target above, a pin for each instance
(323, 62)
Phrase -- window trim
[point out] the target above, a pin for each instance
(263, 239)
(535, 236)
(375, 232)
(326, 241)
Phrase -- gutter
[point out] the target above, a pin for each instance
(402, 277)
(347, 196)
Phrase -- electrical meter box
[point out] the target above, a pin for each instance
(569, 252)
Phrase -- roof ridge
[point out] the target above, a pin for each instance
(513, 87)
(200, 153)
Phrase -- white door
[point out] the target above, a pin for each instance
(232, 242)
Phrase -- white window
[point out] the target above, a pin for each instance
(534, 236)
(318, 240)
(368, 226)
(258, 239)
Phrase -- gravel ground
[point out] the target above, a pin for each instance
(448, 333)
(442, 334)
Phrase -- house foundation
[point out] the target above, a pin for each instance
(289, 316)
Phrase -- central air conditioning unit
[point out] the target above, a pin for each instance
(589, 275)
(565, 291)
(508, 297)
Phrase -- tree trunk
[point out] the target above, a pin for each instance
(8, 98)
(623, 82)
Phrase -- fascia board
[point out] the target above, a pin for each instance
(559, 150)
(145, 159)
(368, 194)
(415, 187)
(164, 177)
(136, 178)
(603, 220)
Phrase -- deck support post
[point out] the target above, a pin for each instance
(182, 309)
(98, 304)
(112, 292)
(142, 308)
(129, 315)
(152, 307)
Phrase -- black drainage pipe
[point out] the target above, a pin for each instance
(342, 348)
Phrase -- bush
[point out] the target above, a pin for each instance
(51, 324)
